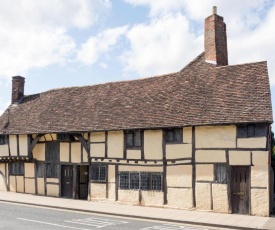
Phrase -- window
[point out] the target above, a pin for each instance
(52, 170)
(146, 181)
(220, 173)
(52, 151)
(65, 137)
(133, 139)
(16, 169)
(99, 173)
(3, 139)
(173, 135)
(40, 170)
(251, 130)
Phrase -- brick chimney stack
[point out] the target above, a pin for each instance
(18, 84)
(215, 41)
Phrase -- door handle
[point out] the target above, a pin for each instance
(239, 193)
(67, 182)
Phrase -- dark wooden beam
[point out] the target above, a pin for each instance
(33, 143)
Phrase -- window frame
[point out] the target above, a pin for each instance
(96, 178)
(4, 139)
(220, 173)
(140, 181)
(133, 134)
(252, 130)
(17, 169)
(174, 132)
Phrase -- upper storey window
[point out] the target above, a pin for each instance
(3, 139)
(173, 136)
(133, 138)
(251, 130)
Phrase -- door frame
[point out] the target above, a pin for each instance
(248, 168)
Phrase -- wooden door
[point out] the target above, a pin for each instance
(240, 187)
(67, 181)
(83, 181)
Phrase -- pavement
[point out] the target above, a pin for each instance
(203, 218)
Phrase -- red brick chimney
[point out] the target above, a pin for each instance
(18, 84)
(215, 41)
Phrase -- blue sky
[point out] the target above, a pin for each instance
(63, 43)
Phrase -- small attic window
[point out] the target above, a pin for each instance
(251, 130)
(65, 137)
(3, 139)
(173, 136)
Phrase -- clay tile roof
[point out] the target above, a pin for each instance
(199, 94)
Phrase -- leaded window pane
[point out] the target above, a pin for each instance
(242, 131)
(221, 173)
(129, 139)
(124, 180)
(134, 180)
(137, 141)
(251, 131)
(261, 130)
(40, 170)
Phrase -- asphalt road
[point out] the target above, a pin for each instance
(23, 217)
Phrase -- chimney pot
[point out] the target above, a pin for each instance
(18, 84)
(214, 10)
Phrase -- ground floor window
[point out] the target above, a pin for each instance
(52, 170)
(146, 181)
(40, 167)
(220, 173)
(98, 173)
(16, 169)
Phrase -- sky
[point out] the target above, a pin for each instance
(64, 43)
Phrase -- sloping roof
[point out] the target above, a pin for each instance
(199, 94)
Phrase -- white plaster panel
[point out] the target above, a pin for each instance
(40, 186)
(2, 168)
(133, 154)
(30, 186)
(259, 176)
(115, 144)
(52, 190)
(111, 191)
(252, 142)
(23, 145)
(220, 198)
(187, 135)
(239, 158)
(140, 168)
(64, 152)
(3, 186)
(85, 156)
(97, 150)
(20, 184)
(52, 180)
(179, 176)
(12, 181)
(260, 157)
(111, 173)
(39, 152)
(205, 172)
(128, 197)
(153, 144)
(13, 145)
(97, 137)
(260, 202)
(203, 196)
(180, 198)
(97, 191)
(4, 150)
(29, 170)
(174, 151)
(152, 198)
(216, 136)
(76, 152)
(217, 156)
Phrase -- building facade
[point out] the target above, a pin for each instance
(195, 139)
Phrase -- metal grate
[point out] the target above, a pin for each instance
(146, 181)
(99, 173)
(220, 173)
(40, 170)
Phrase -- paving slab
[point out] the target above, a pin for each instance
(233, 221)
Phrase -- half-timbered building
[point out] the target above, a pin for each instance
(198, 138)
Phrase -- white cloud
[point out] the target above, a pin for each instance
(35, 34)
(164, 45)
(99, 44)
